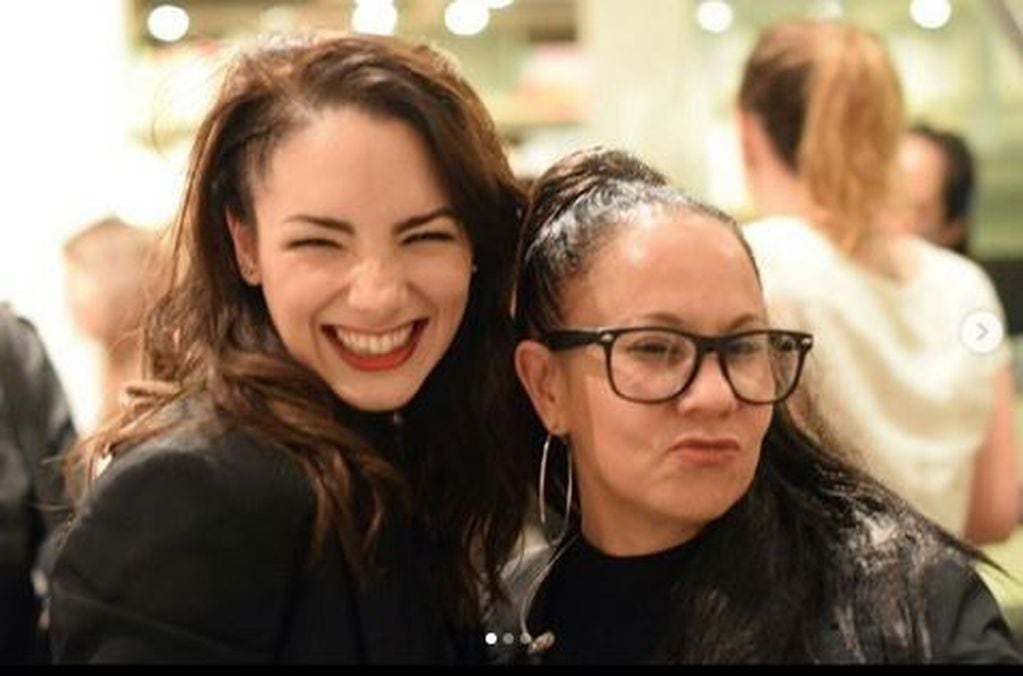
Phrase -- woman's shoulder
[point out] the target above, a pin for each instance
(794, 260)
(954, 272)
(881, 538)
(785, 238)
(895, 565)
(885, 552)
(505, 619)
(210, 460)
(186, 545)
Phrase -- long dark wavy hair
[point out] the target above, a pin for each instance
(813, 541)
(210, 335)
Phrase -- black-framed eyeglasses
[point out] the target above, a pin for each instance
(654, 364)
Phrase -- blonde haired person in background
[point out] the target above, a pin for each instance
(821, 117)
(106, 289)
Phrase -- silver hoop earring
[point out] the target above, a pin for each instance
(542, 484)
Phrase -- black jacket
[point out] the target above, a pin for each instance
(964, 623)
(194, 547)
(35, 429)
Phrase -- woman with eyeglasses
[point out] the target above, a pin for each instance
(699, 524)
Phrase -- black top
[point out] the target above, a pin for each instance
(616, 610)
(194, 547)
(624, 621)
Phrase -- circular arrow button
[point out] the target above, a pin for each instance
(981, 332)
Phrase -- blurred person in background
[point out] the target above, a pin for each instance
(821, 117)
(35, 430)
(939, 177)
(938, 171)
(107, 262)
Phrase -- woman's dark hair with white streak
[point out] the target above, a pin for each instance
(813, 546)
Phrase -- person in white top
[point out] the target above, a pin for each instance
(895, 372)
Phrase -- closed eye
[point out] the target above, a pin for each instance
(660, 351)
(429, 236)
(650, 348)
(745, 346)
(314, 242)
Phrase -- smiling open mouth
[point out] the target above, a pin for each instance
(376, 351)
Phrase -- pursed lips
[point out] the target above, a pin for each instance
(706, 444)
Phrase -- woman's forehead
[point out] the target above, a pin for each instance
(678, 241)
(686, 265)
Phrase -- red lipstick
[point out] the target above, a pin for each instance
(378, 362)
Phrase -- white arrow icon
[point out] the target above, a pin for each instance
(981, 332)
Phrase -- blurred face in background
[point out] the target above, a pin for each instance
(923, 169)
(363, 265)
(105, 278)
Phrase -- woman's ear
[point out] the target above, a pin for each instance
(244, 239)
(543, 380)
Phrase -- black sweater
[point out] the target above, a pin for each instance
(618, 610)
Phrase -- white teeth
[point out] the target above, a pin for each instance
(374, 344)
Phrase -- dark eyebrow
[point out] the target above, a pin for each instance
(415, 221)
(347, 228)
(746, 320)
(323, 222)
(739, 322)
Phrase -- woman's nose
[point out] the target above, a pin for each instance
(377, 287)
(710, 389)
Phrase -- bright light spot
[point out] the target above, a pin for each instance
(466, 17)
(930, 13)
(491, 638)
(168, 23)
(827, 9)
(377, 17)
(499, 4)
(151, 185)
(278, 19)
(715, 16)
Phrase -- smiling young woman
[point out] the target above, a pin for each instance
(322, 466)
(365, 284)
